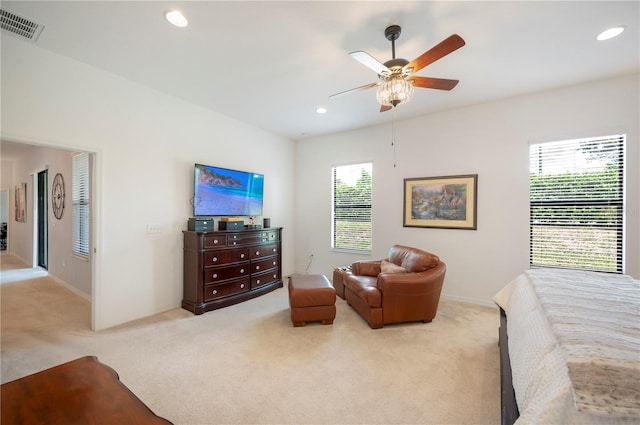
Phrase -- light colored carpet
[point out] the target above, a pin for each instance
(247, 364)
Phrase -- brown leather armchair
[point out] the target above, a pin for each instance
(403, 288)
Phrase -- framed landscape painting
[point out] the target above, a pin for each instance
(447, 202)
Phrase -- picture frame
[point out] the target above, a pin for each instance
(445, 202)
(21, 203)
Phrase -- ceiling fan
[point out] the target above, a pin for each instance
(395, 77)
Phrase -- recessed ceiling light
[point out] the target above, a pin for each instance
(176, 18)
(610, 33)
(321, 110)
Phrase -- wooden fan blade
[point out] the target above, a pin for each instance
(366, 86)
(433, 83)
(445, 47)
(370, 62)
(384, 108)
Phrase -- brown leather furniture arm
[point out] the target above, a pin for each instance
(401, 282)
(411, 296)
(366, 268)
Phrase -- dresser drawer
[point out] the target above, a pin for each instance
(213, 241)
(251, 238)
(212, 292)
(216, 258)
(263, 251)
(260, 279)
(263, 265)
(218, 274)
(270, 235)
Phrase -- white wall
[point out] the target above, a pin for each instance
(490, 140)
(4, 206)
(7, 187)
(146, 144)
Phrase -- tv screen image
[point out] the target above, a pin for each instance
(224, 192)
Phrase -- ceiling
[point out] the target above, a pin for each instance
(272, 64)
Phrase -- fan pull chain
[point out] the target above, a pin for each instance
(393, 135)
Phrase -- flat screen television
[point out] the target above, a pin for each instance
(224, 192)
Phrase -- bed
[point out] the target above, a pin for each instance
(570, 348)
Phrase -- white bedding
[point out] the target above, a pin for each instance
(540, 375)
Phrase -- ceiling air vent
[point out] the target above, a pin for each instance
(22, 27)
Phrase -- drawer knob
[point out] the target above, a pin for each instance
(274, 250)
(215, 241)
(235, 243)
(215, 275)
(258, 281)
(274, 263)
(257, 252)
(215, 291)
(242, 255)
(257, 267)
(241, 270)
(214, 259)
(242, 286)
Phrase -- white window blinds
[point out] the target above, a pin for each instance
(80, 204)
(352, 207)
(577, 204)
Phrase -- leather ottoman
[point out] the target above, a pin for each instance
(312, 298)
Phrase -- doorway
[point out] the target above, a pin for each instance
(35, 161)
(43, 218)
(4, 219)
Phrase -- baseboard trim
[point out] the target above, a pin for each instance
(469, 300)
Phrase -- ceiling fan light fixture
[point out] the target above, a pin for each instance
(394, 91)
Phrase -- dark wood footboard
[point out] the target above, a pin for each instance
(82, 391)
(509, 412)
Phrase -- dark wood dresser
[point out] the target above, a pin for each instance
(228, 267)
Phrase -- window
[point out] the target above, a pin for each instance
(352, 207)
(80, 204)
(577, 204)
